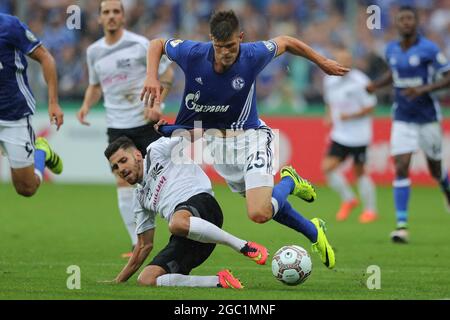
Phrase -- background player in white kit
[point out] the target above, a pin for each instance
(182, 194)
(349, 107)
(117, 68)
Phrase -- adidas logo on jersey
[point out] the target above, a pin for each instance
(199, 80)
(156, 171)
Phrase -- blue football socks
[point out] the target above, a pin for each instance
(39, 160)
(402, 189)
(284, 213)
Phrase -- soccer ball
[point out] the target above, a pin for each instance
(291, 265)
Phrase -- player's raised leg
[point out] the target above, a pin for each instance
(184, 224)
(264, 203)
(314, 230)
(28, 163)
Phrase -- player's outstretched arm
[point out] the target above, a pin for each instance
(91, 97)
(45, 59)
(140, 253)
(299, 48)
(152, 88)
(385, 80)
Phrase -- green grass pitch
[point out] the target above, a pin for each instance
(80, 225)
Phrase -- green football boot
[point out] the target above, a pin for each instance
(322, 246)
(303, 188)
(52, 159)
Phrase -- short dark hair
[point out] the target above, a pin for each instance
(120, 143)
(100, 5)
(223, 24)
(409, 8)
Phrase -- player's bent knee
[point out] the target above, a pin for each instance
(26, 190)
(178, 228)
(260, 216)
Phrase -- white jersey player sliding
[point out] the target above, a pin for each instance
(182, 194)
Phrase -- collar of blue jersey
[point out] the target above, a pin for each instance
(211, 53)
(419, 37)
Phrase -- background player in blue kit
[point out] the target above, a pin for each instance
(220, 91)
(27, 157)
(414, 61)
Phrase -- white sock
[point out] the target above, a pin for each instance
(339, 184)
(367, 192)
(38, 174)
(203, 231)
(125, 197)
(180, 280)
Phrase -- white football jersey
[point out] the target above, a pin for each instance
(346, 95)
(120, 69)
(166, 183)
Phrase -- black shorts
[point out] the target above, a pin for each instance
(141, 136)
(181, 254)
(342, 152)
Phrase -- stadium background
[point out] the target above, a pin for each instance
(289, 89)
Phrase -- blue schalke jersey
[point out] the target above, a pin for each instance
(415, 67)
(16, 40)
(220, 100)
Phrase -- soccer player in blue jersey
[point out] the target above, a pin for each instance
(27, 156)
(220, 91)
(414, 61)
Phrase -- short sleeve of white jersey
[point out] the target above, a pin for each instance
(93, 77)
(145, 219)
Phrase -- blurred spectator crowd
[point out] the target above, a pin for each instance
(288, 82)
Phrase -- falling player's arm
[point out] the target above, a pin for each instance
(299, 48)
(45, 59)
(140, 253)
